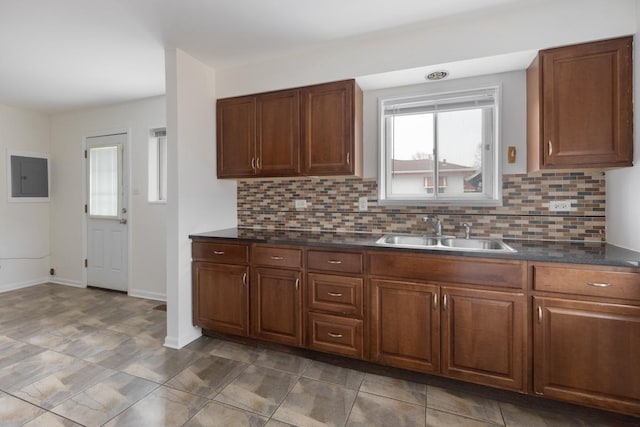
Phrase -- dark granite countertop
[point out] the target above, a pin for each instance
(529, 250)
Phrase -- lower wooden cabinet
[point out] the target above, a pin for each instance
(468, 334)
(484, 336)
(221, 297)
(587, 352)
(405, 324)
(574, 335)
(276, 305)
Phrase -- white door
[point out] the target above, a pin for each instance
(107, 231)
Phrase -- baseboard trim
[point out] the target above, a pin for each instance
(175, 342)
(171, 342)
(156, 296)
(20, 285)
(66, 282)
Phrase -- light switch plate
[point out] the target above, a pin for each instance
(301, 204)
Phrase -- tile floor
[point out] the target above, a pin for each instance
(88, 357)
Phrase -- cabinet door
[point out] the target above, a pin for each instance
(236, 137)
(588, 353)
(221, 298)
(278, 133)
(587, 105)
(328, 128)
(276, 299)
(483, 337)
(405, 325)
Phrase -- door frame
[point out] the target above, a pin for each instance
(127, 169)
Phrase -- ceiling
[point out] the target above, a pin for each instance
(68, 54)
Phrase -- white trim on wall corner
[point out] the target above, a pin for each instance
(20, 285)
(147, 295)
(171, 342)
(175, 342)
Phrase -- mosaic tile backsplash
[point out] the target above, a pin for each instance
(333, 206)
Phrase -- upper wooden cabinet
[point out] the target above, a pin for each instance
(579, 106)
(329, 116)
(314, 130)
(258, 135)
(236, 137)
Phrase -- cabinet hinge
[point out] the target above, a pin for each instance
(86, 263)
(85, 154)
(86, 209)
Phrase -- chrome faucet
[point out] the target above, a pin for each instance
(435, 222)
(467, 230)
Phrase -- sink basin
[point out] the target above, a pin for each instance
(407, 240)
(480, 244)
(446, 243)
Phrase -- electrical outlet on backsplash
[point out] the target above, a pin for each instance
(524, 214)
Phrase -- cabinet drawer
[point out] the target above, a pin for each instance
(439, 268)
(336, 334)
(337, 294)
(571, 279)
(277, 257)
(224, 253)
(335, 262)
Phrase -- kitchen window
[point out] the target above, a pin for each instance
(440, 149)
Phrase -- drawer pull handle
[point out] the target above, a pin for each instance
(435, 301)
(244, 279)
(297, 284)
(332, 335)
(218, 252)
(550, 148)
(334, 261)
(277, 258)
(444, 302)
(540, 314)
(334, 294)
(599, 285)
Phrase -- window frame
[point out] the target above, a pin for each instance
(491, 196)
(157, 166)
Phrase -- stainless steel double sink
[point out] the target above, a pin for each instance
(448, 243)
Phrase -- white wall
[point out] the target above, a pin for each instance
(526, 26)
(24, 226)
(146, 220)
(197, 200)
(623, 203)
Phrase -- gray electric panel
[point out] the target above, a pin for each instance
(29, 176)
